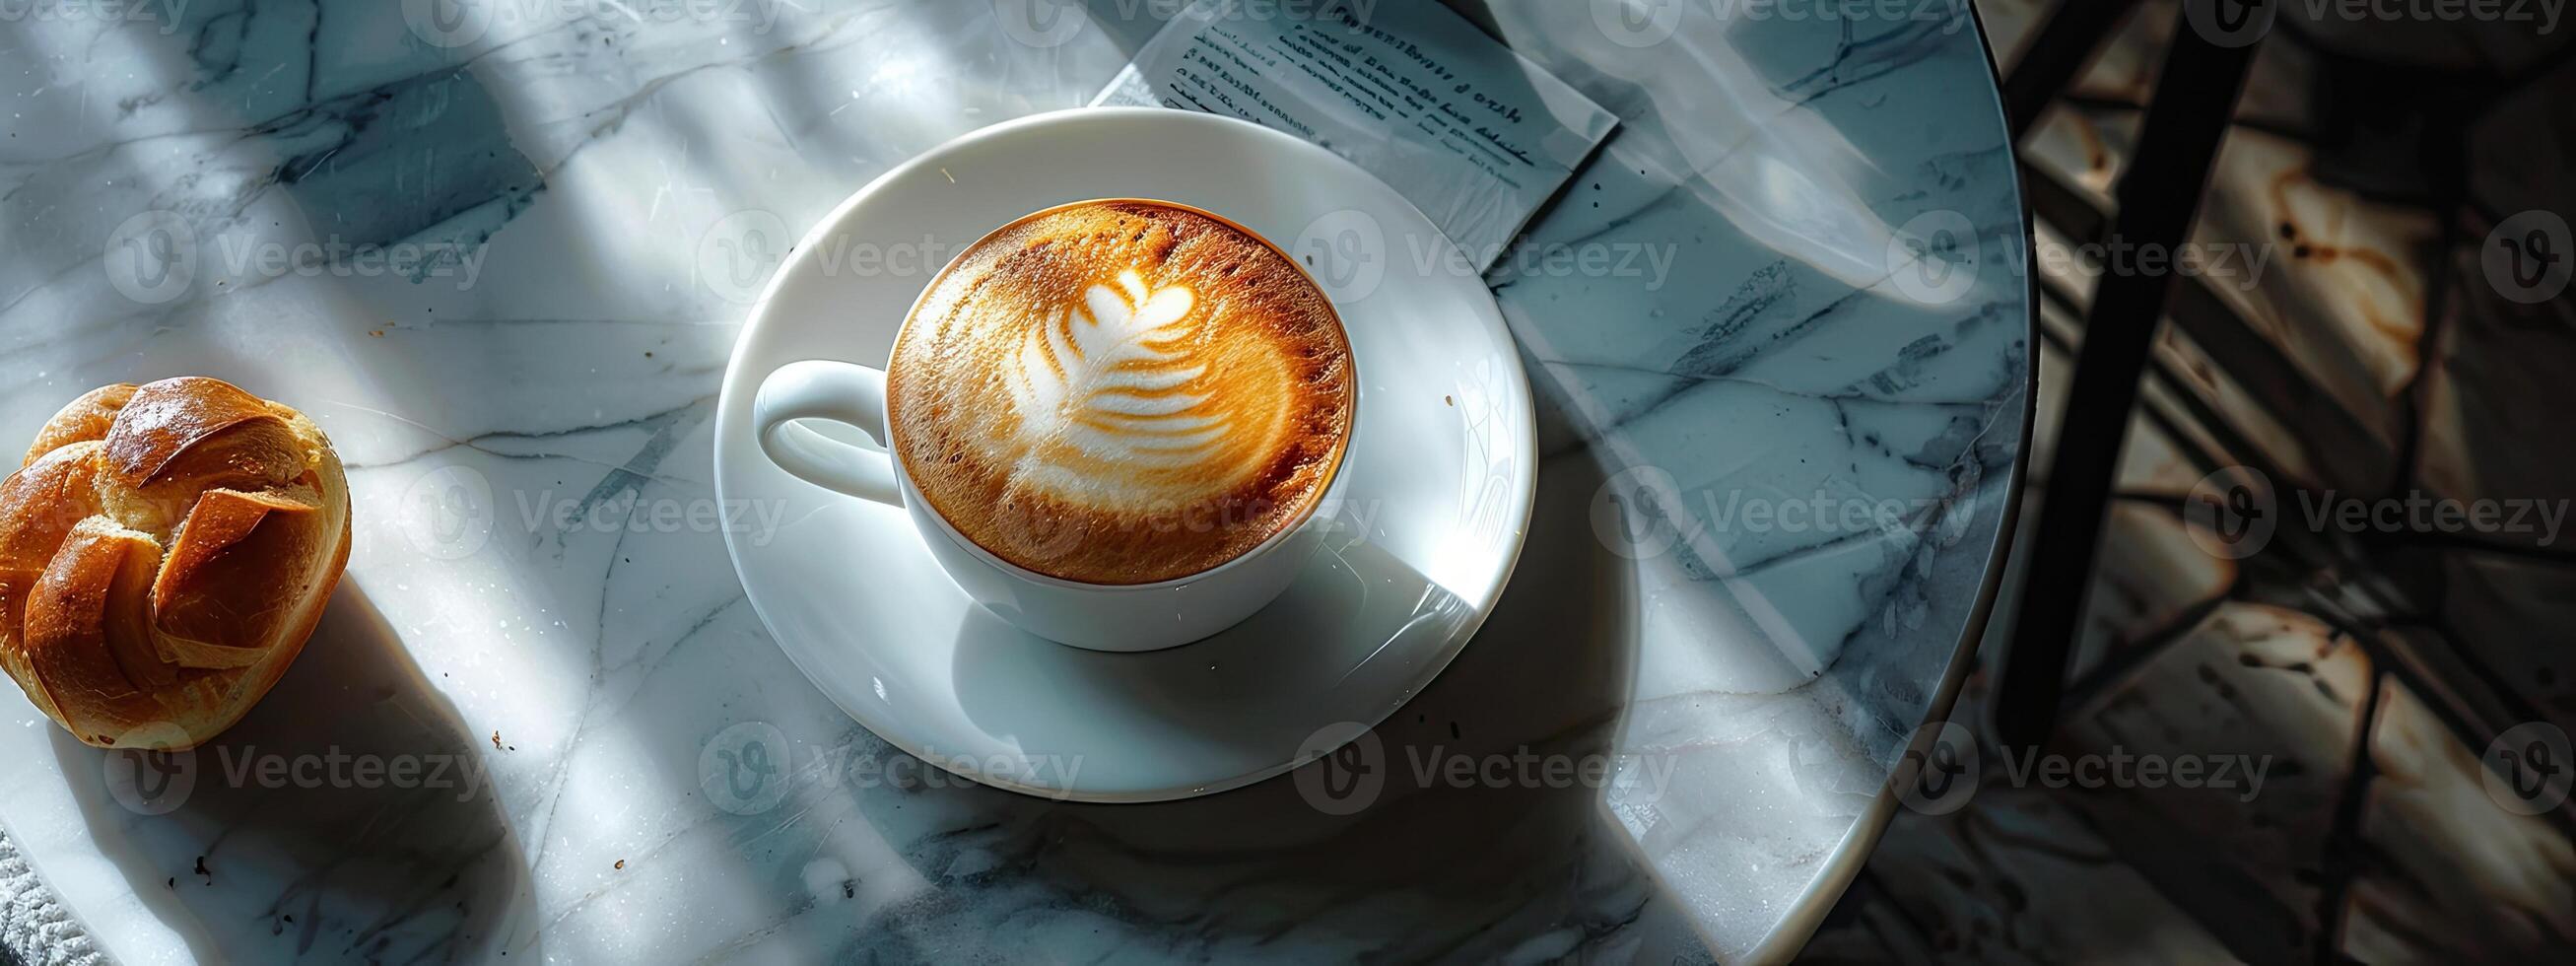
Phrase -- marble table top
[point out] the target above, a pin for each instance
(479, 244)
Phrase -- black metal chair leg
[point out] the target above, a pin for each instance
(2158, 197)
(2063, 45)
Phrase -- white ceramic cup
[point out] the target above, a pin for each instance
(1098, 617)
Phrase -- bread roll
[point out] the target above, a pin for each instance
(164, 551)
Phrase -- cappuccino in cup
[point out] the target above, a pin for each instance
(1113, 423)
(1121, 392)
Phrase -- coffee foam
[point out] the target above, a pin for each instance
(1121, 393)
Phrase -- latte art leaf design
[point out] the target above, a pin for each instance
(1105, 379)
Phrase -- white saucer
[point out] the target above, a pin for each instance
(1439, 482)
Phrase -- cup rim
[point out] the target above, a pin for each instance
(1305, 517)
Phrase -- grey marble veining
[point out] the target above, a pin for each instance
(550, 340)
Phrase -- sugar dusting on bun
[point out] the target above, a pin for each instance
(1122, 393)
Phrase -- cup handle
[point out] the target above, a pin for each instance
(842, 393)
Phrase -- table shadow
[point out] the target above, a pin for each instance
(1426, 865)
(1241, 702)
(281, 841)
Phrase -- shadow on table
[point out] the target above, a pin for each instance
(1358, 623)
(347, 818)
(1455, 855)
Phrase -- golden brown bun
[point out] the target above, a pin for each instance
(164, 552)
(1122, 392)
